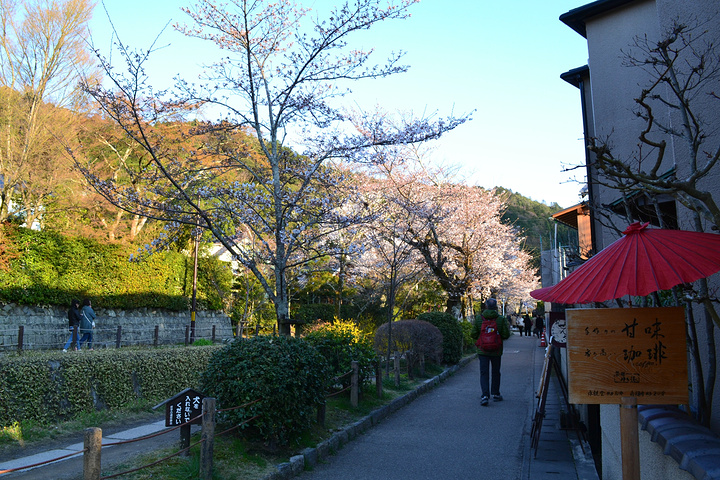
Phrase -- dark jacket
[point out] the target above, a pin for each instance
(73, 316)
(502, 324)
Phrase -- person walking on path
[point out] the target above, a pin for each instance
(74, 322)
(539, 326)
(528, 325)
(490, 354)
(87, 324)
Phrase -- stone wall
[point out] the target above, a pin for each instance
(46, 327)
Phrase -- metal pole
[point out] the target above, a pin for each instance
(194, 288)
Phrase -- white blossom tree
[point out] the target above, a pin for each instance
(280, 79)
(457, 230)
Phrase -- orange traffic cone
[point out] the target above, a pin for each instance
(543, 342)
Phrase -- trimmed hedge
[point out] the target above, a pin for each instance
(287, 375)
(50, 269)
(341, 343)
(48, 387)
(417, 336)
(452, 334)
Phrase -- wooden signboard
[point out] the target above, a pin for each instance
(184, 407)
(627, 352)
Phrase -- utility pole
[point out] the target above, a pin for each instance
(193, 308)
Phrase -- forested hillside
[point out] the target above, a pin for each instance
(534, 221)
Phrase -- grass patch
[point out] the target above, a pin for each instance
(30, 433)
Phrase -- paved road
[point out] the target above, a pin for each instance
(446, 434)
(442, 434)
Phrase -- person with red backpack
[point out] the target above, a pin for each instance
(492, 329)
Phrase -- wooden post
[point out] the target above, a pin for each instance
(208, 437)
(397, 369)
(409, 359)
(378, 379)
(355, 383)
(213, 334)
(21, 333)
(118, 337)
(156, 335)
(629, 439)
(185, 439)
(91, 458)
(321, 414)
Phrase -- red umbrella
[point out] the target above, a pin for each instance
(643, 261)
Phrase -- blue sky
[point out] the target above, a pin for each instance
(501, 58)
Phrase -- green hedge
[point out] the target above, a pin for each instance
(50, 269)
(288, 375)
(341, 343)
(452, 334)
(48, 387)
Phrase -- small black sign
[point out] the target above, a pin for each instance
(183, 407)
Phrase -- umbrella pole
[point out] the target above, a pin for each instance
(629, 439)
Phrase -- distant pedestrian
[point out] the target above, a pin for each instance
(87, 324)
(528, 324)
(539, 326)
(490, 358)
(74, 323)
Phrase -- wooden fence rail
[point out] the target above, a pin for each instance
(106, 337)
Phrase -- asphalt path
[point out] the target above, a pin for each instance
(446, 433)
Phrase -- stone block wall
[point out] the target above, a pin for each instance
(46, 327)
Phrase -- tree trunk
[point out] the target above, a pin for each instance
(454, 305)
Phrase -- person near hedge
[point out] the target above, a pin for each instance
(491, 359)
(74, 321)
(87, 323)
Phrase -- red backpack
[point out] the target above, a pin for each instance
(489, 340)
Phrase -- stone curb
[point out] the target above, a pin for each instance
(308, 458)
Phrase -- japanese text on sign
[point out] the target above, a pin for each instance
(183, 408)
(618, 352)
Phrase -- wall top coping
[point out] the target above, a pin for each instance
(695, 447)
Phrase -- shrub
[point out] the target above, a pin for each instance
(341, 343)
(418, 336)
(467, 331)
(452, 334)
(53, 269)
(287, 375)
(312, 312)
(47, 387)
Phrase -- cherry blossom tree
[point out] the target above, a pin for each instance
(281, 78)
(457, 230)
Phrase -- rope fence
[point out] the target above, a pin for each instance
(93, 436)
